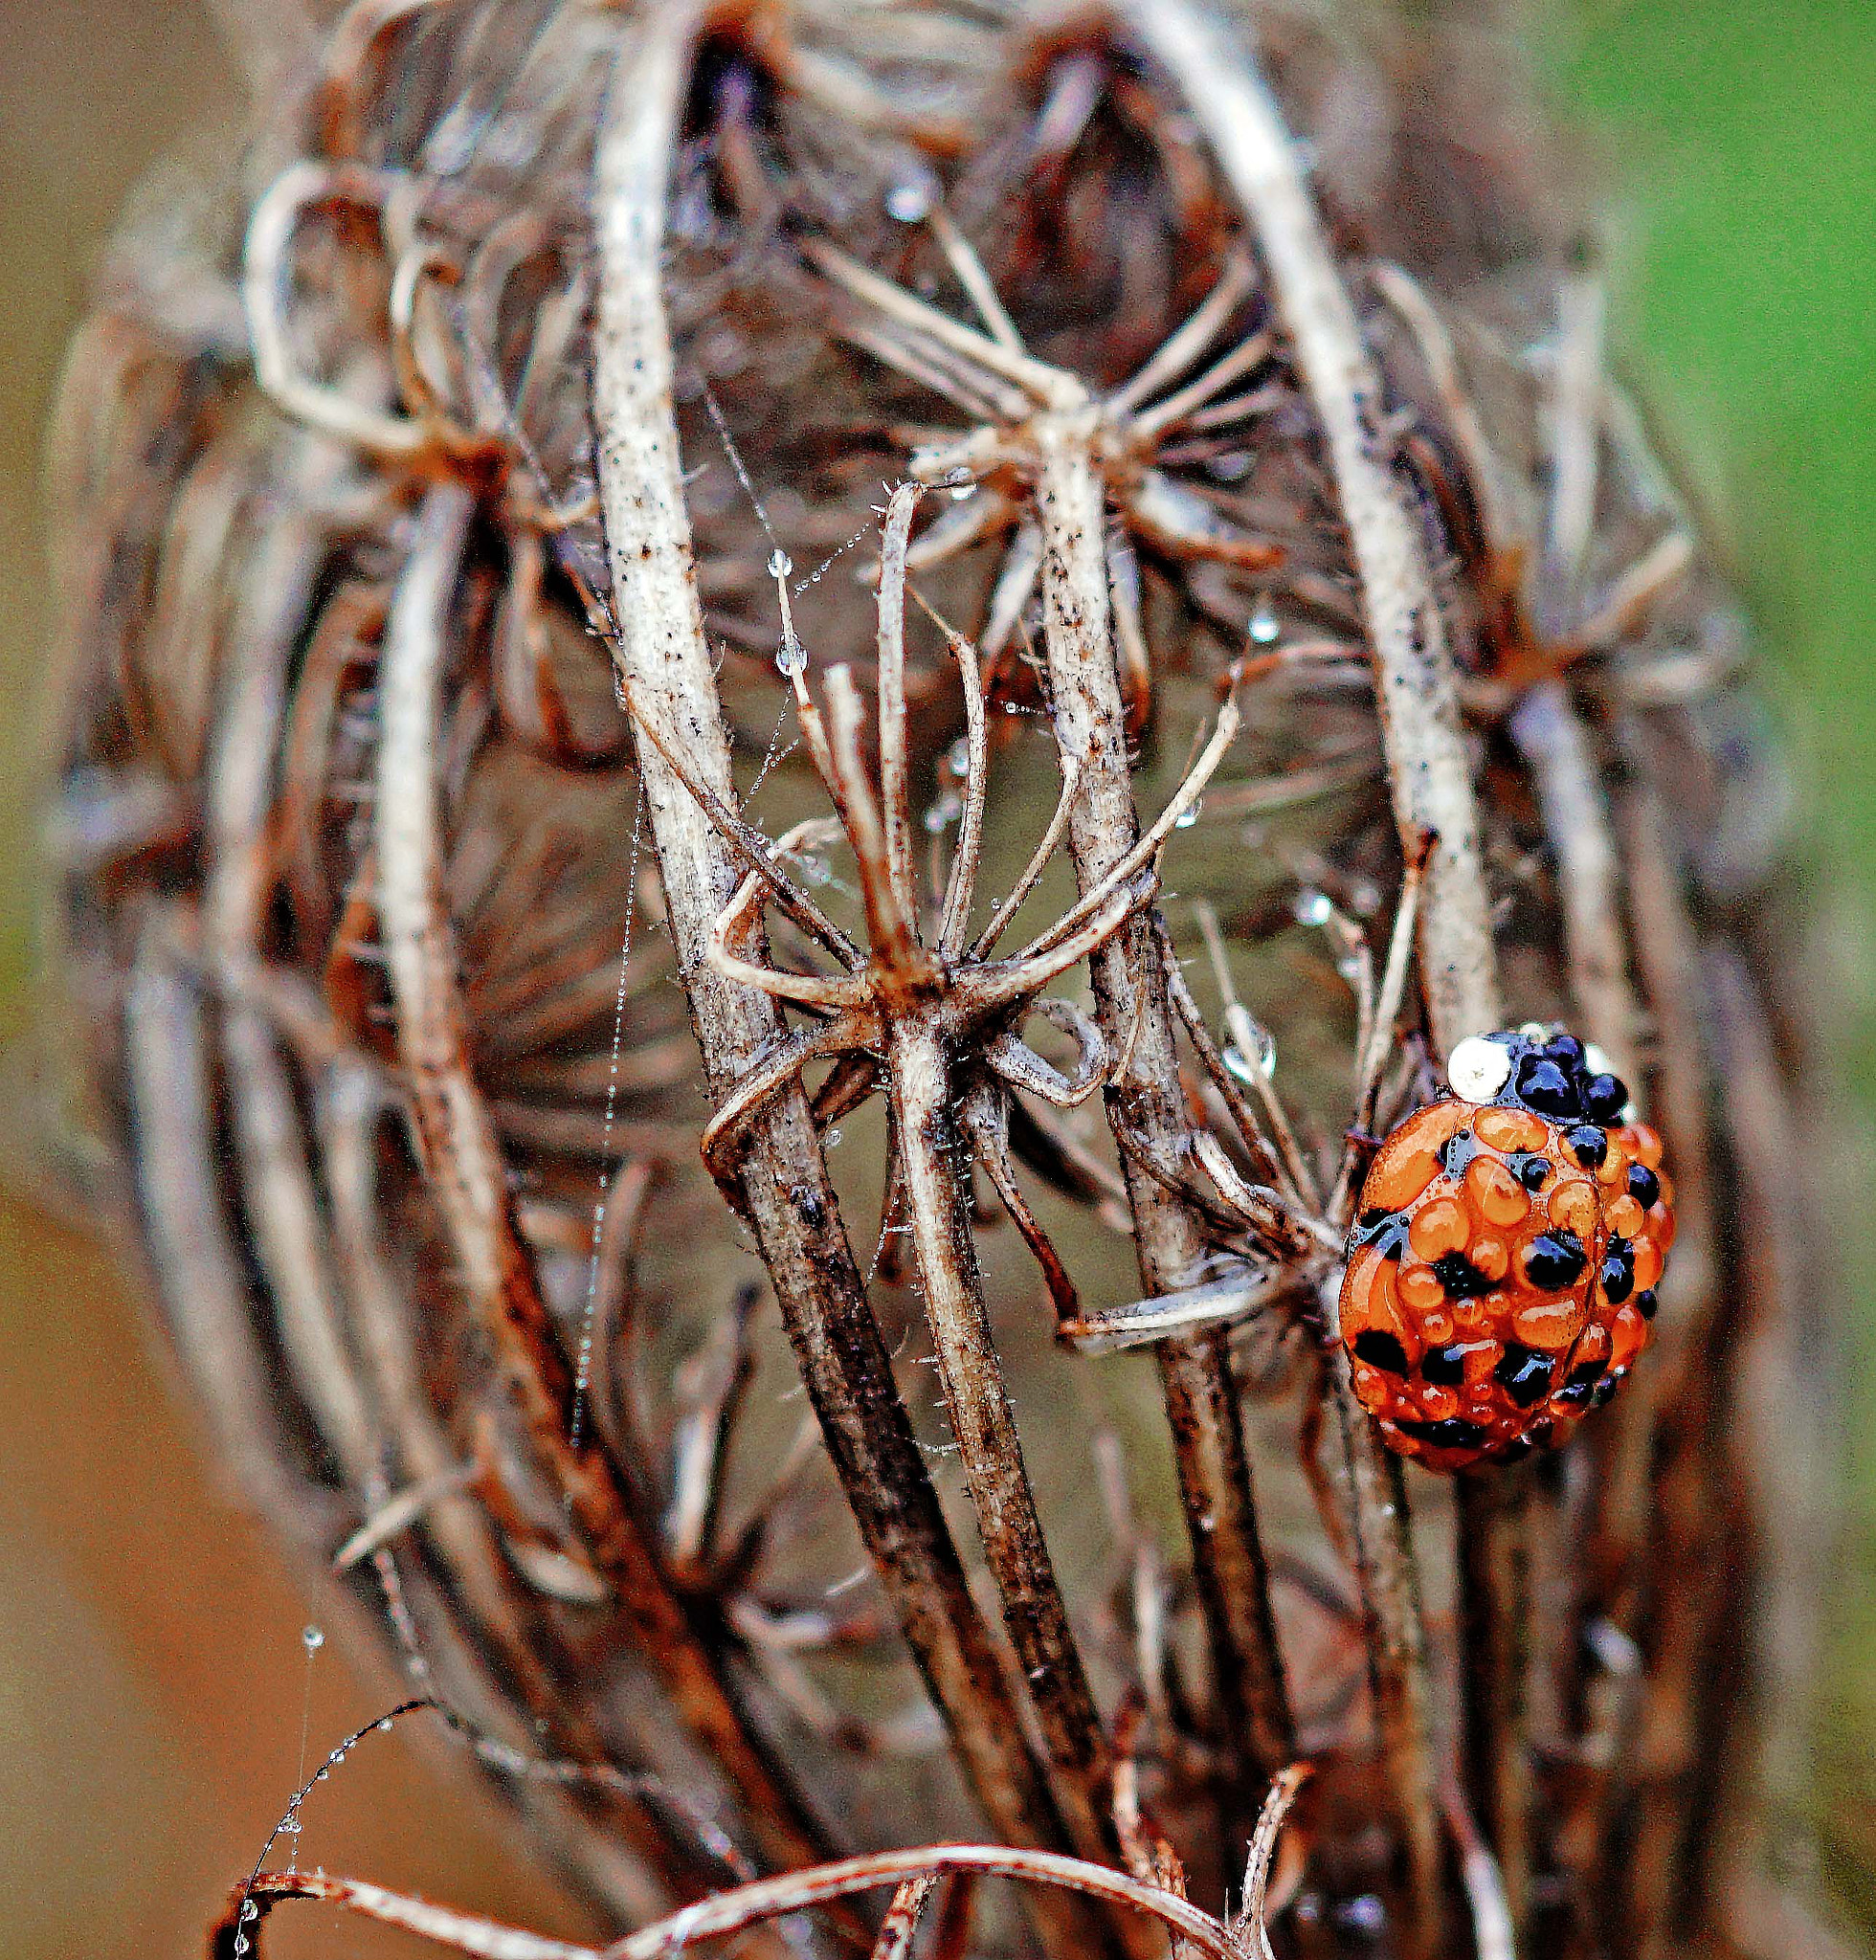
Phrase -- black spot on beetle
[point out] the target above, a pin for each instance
(1458, 1151)
(1644, 1186)
(1443, 1367)
(1647, 1304)
(1379, 1348)
(1545, 1087)
(1459, 1276)
(1618, 1274)
(1556, 1260)
(1606, 1388)
(1567, 1053)
(1525, 1375)
(1453, 1433)
(1605, 1097)
(1531, 1171)
(1588, 1145)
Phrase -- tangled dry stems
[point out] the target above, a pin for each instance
(355, 826)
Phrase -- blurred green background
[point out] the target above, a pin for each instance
(151, 1673)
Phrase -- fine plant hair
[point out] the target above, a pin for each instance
(788, 726)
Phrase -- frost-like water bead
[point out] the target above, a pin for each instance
(1312, 907)
(780, 564)
(1186, 818)
(1260, 1065)
(790, 656)
(940, 816)
(312, 1637)
(910, 198)
(1264, 625)
(1479, 1068)
(957, 758)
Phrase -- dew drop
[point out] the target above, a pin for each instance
(790, 656)
(1258, 1066)
(961, 490)
(384, 1727)
(780, 564)
(1186, 818)
(1314, 908)
(249, 1909)
(312, 1638)
(911, 197)
(943, 814)
(1265, 627)
(240, 1942)
(323, 1776)
(833, 1138)
(957, 758)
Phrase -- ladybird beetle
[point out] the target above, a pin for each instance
(1501, 1269)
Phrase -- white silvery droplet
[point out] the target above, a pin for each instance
(1265, 626)
(780, 564)
(1534, 1030)
(910, 198)
(958, 757)
(1186, 818)
(960, 491)
(1479, 1068)
(312, 1638)
(942, 814)
(1312, 908)
(791, 657)
(1598, 1059)
(1260, 1065)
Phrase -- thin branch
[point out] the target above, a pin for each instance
(1429, 769)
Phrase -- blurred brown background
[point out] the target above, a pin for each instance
(151, 1667)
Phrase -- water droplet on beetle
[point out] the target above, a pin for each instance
(312, 1637)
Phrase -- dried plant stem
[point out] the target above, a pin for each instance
(1602, 1526)
(743, 1907)
(663, 655)
(1145, 1102)
(1429, 769)
(457, 1140)
(1415, 684)
(1494, 1606)
(525, 1659)
(1555, 745)
(937, 1210)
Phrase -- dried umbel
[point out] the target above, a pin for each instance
(714, 651)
